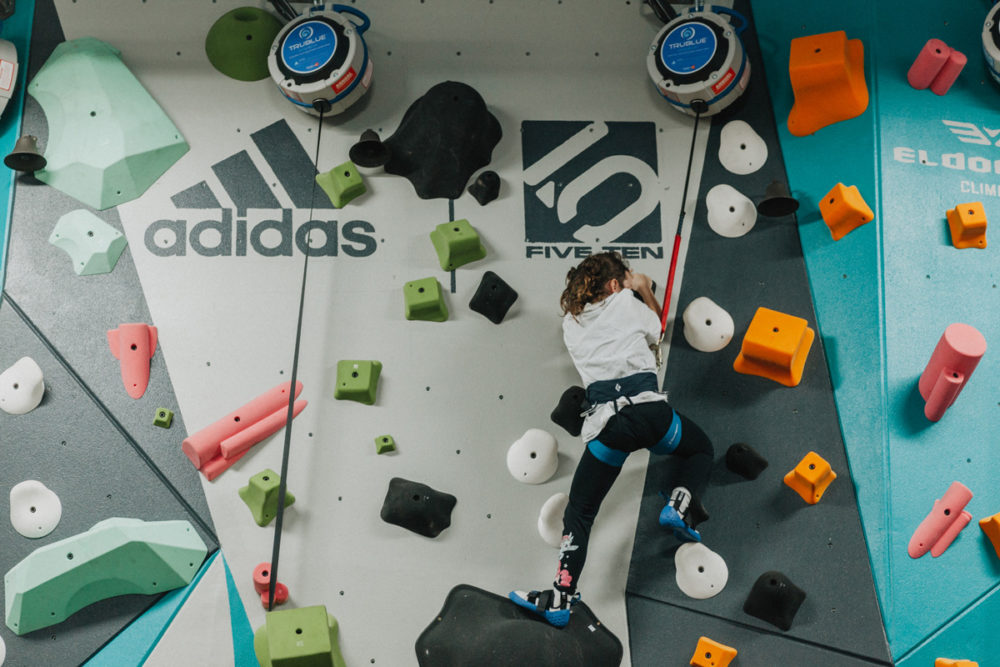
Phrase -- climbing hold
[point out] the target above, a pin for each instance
(163, 418)
(239, 430)
(827, 72)
(701, 573)
(357, 380)
(369, 152)
(707, 327)
(417, 507)
(35, 510)
(955, 357)
(534, 457)
(745, 461)
(967, 224)
(945, 662)
(486, 187)
(811, 477)
(936, 67)
(730, 213)
(775, 346)
(21, 387)
(710, 653)
(569, 412)
(991, 528)
(493, 298)
(550, 523)
(778, 201)
(946, 520)
(238, 42)
(261, 496)
(133, 345)
(424, 300)
(262, 577)
(307, 636)
(384, 444)
(774, 599)
(25, 156)
(844, 210)
(457, 243)
(280, 595)
(115, 557)
(342, 184)
(741, 150)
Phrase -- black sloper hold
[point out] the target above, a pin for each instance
(567, 413)
(486, 187)
(775, 599)
(417, 507)
(745, 461)
(493, 298)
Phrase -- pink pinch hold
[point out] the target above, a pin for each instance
(133, 346)
(929, 62)
(262, 577)
(280, 595)
(949, 72)
(956, 355)
(946, 520)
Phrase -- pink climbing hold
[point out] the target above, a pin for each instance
(937, 67)
(956, 355)
(262, 582)
(133, 346)
(946, 520)
(280, 595)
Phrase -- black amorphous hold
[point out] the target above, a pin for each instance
(775, 599)
(568, 412)
(486, 187)
(778, 201)
(445, 137)
(745, 461)
(493, 297)
(25, 156)
(417, 507)
(369, 152)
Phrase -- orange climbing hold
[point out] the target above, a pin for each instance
(828, 81)
(967, 223)
(811, 477)
(945, 662)
(844, 210)
(991, 527)
(710, 653)
(775, 346)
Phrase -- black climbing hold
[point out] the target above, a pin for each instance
(493, 298)
(444, 138)
(486, 187)
(775, 599)
(745, 461)
(417, 507)
(476, 627)
(369, 152)
(568, 412)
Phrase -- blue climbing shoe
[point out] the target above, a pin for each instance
(669, 518)
(555, 609)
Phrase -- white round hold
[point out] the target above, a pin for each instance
(21, 387)
(35, 510)
(701, 573)
(534, 457)
(550, 523)
(741, 150)
(707, 327)
(730, 212)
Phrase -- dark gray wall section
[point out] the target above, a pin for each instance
(241, 179)
(291, 164)
(197, 196)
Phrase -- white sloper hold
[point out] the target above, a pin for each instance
(21, 387)
(550, 523)
(35, 509)
(741, 150)
(534, 457)
(707, 327)
(701, 573)
(730, 212)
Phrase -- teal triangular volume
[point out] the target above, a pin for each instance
(134, 644)
(971, 636)
(242, 632)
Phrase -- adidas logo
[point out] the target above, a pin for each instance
(251, 216)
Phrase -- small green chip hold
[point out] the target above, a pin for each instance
(384, 444)
(163, 418)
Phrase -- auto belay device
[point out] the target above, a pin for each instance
(321, 56)
(697, 61)
(991, 42)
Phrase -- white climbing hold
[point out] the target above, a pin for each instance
(550, 523)
(534, 457)
(21, 387)
(701, 573)
(35, 509)
(741, 150)
(730, 212)
(707, 327)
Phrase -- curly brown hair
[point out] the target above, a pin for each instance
(587, 282)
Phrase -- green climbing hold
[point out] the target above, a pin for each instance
(163, 418)
(304, 637)
(261, 496)
(93, 245)
(424, 300)
(238, 43)
(457, 243)
(384, 444)
(342, 183)
(357, 380)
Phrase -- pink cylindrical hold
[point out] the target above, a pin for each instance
(280, 594)
(250, 436)
(946, 520)
(262, 577)
(956, 355)
(949, 72)
(929, 62)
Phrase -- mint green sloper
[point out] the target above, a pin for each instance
(108, 138)
(117, 556)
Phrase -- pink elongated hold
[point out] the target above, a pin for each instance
(955, 356)
(946, 520)
(133, 346)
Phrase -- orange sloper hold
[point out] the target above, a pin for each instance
(811, 477)
(775, 346)
(711, 653)
(844, 210)
(828, 81)
(991, 527)
(967, 223)
(945, 662)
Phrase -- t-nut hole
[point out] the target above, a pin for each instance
(743, 147)
(817, 50)
(16, 385)
(457, 229)
(533, 455)
(708, 323)
(264, 573)
(354, 374)
(90, 233)
(266, 478)
(420, 290)
(774, 582)
(812, 466)
(347, 174)
(732, 209)
(832, 200)
(133, 346)
(298, 631)
(701, 568)
(69, 556)
(236, 418)
(32, 510)
(947, 512)
(775, 330)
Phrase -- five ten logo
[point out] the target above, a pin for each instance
(257, 223)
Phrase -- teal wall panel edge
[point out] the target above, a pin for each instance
(969, 636)
(243, 653)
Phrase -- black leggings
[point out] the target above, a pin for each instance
(635, 427)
